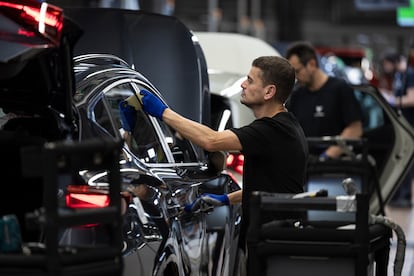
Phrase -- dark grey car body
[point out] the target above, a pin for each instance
(36, 84)
(159, 176)
(160, 47)
(166, 173)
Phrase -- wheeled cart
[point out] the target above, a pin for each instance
(349, 247)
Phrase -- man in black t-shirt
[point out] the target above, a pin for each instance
(323, 105)
(274, 145)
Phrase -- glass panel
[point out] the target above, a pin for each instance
(373, 116)
(181, 148)
(377, 128)
(134, 124)
(102, 118)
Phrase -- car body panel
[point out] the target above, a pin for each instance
(33, 64)
(232, 52)
(163, 176)
(36, 88)
(158, 46)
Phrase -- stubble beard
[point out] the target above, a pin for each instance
(243, 102)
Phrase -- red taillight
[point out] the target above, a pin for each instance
(83, 196)
(235, 162)
(36, 17)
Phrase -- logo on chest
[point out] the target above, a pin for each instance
(319, 111)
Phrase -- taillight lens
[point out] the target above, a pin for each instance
(36, 18)
(235, 161)
(83, 196)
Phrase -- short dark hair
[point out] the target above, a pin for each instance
(278, 71)
(392, 57)
(304, 50)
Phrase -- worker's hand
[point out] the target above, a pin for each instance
(207, 202)
(152, 105)
(128, 116)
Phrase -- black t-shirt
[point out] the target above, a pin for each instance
(275, 156)
(327, 111)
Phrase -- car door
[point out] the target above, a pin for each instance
(390, 140)
(204, 237)
(172, 169)
(176, 237)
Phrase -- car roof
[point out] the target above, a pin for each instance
(232, 52)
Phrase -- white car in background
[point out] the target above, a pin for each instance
(229, 57)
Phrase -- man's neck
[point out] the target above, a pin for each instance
(268, 111)
(319, 79)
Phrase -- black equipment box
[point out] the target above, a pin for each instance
(316, 247)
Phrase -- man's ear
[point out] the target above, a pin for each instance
(270, 92)
(312, 63)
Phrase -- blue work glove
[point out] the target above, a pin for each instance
(207, 202)
(128, 116)
(152, 105)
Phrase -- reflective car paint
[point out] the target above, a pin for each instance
(162, 177)
(160, 47)
(35, 96)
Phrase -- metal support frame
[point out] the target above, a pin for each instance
(355, 243)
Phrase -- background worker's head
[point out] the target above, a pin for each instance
(303, 57)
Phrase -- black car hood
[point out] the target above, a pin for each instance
(160, 47)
